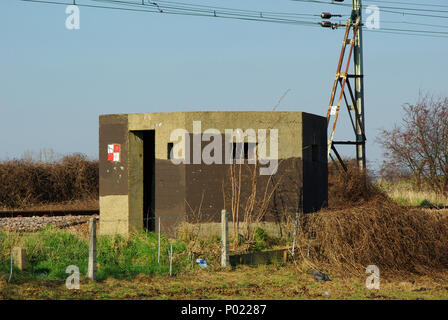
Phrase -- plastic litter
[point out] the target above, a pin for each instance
(202, 263)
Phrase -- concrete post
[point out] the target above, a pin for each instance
(171, 260)
(224, 238)
(296, 223)
(158, 244)
(91, 273)
(19, 257)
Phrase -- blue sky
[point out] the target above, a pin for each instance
(54, 82)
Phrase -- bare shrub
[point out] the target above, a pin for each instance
(30, 182)
(364, 226)
(250, 196)
(346, 188)
(378, 232)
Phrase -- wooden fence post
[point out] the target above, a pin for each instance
(224, 238)
(91, 273)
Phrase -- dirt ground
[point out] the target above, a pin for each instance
(263, 282)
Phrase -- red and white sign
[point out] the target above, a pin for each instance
(113, 152)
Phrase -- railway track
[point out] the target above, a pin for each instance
(45, 213)
(57, 213)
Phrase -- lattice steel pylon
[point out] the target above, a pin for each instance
(342, 82)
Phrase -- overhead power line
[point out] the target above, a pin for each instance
(405, 33)
(416, 24)
(407, 3)
(403, 13)
(388, 9)
(183, 4)
(417, 31)
(161, 4)
(187, 9)
(191, 7)
(415, 9)
(155, 7)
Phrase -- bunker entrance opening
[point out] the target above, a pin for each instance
(148, 137)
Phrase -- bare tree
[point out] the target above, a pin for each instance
(249, 197)
(419, 146)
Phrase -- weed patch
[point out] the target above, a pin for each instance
(50, 251)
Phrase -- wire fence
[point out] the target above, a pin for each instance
(168, 249)
(116, 256)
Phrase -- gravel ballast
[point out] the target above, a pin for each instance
(36, 223)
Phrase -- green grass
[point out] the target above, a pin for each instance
(128, 269)
(243, 282)
(51, 251)
(404, 193)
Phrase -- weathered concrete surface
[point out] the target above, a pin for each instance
(262, 257)
(135, 182)
(113, 176)
(114, 215)
(315, 166)
(186, 189)
(19, 258)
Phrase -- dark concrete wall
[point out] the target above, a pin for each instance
(183, 190)
(170, 193)
(209, 189)
(287, 197)
(113, 176)
(315, 164)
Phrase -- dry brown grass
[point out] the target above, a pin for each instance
(87, 203)
(363, 226)
(28, 183)
(405, 192)
(350, 188)
(243, 282)
(379, 232)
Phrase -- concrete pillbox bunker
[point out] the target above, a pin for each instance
(140, 183)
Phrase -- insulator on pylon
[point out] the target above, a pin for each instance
(326, 24)
(338, 0)
(326, 15)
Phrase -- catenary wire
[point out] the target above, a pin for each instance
(151, 9)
